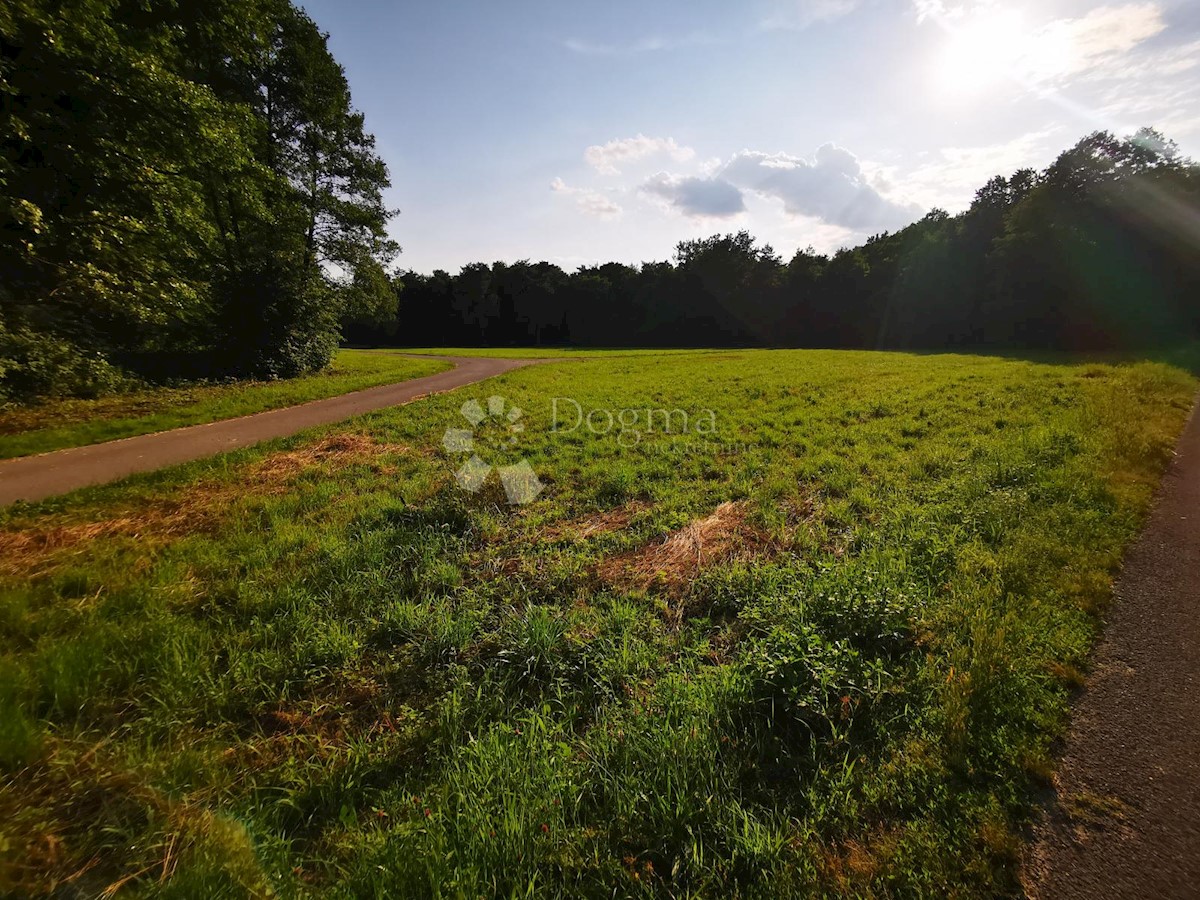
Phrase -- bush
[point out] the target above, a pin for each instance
(36, 365)
(275, 322)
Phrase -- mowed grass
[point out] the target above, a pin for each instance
(826, 650)
(56, 424)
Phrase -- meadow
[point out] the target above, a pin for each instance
(72, 422)
(820, 640)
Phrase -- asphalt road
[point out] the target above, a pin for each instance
(50, 474)
(1125, 817)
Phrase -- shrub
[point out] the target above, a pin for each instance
(36, 364)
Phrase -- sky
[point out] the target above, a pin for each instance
(581, 133)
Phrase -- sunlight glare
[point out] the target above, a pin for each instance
(996, 47)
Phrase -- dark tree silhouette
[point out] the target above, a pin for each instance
(1102, 250)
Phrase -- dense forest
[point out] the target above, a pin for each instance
(189, 193)
(186, 191)
(1099, 251)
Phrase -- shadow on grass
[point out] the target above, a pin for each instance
(1183, 356)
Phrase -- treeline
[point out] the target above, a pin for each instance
(1099, 251)
(185, 191)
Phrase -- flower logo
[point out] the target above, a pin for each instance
(521, 484)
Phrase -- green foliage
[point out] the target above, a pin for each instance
(36, 364)
(823, 662)
(177, 182)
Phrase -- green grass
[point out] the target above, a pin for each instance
(56, 424)
(552, 352)
(344, 676)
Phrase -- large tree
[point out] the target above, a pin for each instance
(186, 190)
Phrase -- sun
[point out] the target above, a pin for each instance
(995, 47)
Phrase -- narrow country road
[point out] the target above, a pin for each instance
(1125, 821)
(50, 474)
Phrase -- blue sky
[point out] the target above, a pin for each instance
(580, 133)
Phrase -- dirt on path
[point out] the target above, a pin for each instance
(50, 474)
(1124, 820)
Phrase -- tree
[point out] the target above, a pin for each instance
(1085, 261)
(107, 238)
(730, 285)
(1097, 251)
(187, 191)
(324, 231)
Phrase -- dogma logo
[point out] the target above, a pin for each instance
(493, 432)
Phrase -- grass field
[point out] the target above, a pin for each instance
(819, 641)
(56, 424)
(556, 352)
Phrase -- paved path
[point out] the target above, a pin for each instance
(49, 474)
(1125, 821)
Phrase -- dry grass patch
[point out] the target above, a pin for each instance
(604, 522)
(36, 550)
(33, 550)
(343, 705)
(852, 864)
(340, 450)
(724, 536)
(528, 561)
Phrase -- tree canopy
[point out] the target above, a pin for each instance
(1099, 251)
(187, 190)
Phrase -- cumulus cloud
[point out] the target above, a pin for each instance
(597, 205)
(700, 197)
(605, 158)
(831, 187)
(590, 202)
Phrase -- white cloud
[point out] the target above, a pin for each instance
(832, 187)
(928, 9)
(832, 190)
(1069, 47)
(1157, 88)
(939, 10)
(1160, 64)
(987, 44)
(1115, 67)
(598, 205)
(949, 177)
(796, 15)
(590, 202)
(695, 196)
(766, 218)
(643, 45)
(605, 158)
